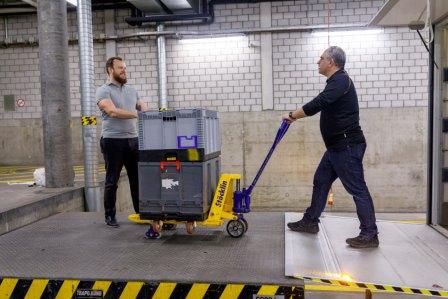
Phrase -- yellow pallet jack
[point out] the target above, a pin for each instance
(229, 202)
(221, 210)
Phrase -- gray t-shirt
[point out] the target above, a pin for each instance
(123, 97)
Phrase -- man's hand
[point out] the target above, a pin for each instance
(288, 119)
(108, 106)
(294, 115)
(141, 106)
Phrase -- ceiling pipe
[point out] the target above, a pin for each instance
(206, 15)
(31, 2)
(182, 33)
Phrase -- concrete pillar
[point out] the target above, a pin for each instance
(267, 85)
(54, 78)
(109, 23)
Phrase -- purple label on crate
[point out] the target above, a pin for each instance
(187, 142)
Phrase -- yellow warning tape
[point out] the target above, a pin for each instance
(378, 287)
(88, 120)
(43, 288)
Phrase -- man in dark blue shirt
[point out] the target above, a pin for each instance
(346, 145)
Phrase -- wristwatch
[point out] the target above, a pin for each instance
(290, 116)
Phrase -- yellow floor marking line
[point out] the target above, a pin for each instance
(7, 287)
(268, 290)
(131, 290)
(36, 289)
(198, 290)
(377, 287)
(232, 291)
(67, 289)
(164, 290)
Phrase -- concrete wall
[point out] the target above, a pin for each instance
(22, 141)
(395, 160)
(389, 70)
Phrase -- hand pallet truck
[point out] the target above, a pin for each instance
(229, 202)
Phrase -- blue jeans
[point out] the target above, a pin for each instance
(346, 165)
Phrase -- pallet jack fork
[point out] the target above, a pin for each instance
(229, 202)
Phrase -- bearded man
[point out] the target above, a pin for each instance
(119, 104)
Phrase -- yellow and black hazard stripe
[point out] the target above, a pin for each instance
(379, 287)
(59, 289)
(88, 120)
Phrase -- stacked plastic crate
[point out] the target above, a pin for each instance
(179, 164)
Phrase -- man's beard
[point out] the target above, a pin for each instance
(119, 79)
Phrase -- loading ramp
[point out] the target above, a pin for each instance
(411, 258)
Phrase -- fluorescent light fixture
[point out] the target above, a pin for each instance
(347, 32)
(73, 2)
(215, 39)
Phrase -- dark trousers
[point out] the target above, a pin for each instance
(118, 152)
(346, 165)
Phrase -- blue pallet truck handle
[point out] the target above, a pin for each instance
(241, 198)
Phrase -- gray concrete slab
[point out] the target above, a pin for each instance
(21, 205)
(16, 196)
(411, 255)
(81, 246)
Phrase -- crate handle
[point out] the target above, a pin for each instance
(165, 163)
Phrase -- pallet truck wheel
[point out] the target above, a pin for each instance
(169, 226)
(245, 223)
(190, 227)
(236, 228)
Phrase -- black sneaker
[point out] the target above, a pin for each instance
(363, 242)
(304, 227)
(111, 221)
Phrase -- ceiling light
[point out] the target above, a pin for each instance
(208, 39)
(347, 32)
(73, 2)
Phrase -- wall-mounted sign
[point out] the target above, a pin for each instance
(20, 102)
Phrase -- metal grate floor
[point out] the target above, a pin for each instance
(81, 246)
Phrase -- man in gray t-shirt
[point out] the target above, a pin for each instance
(119, 104)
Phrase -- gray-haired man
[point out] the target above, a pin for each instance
(346, 145)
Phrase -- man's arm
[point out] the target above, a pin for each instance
(294, 115)
(332, 92)
(141, 106)
(108, 106)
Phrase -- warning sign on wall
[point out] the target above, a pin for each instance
(20, 102)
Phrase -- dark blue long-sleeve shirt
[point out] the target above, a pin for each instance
(339, 118)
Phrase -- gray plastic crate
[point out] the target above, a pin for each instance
(183, 193)
(180, 129)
